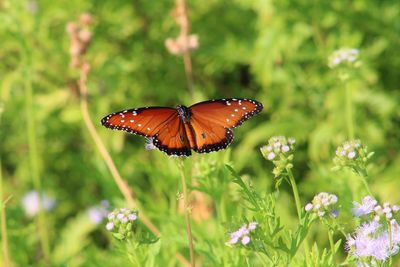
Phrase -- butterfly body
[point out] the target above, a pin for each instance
(184, 113)
(203, 127)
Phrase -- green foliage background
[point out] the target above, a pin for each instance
(272, 51)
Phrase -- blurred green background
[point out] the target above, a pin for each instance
(273, 51)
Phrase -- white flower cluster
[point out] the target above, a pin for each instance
(279, 150)
(352, 154)
(242, 234)
(349, 149)
(322, 204)
(120, 222)
(343, 56)
(277, 145)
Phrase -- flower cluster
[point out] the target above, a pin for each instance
(32, 201)
(97, 213)
(354, 155)
(378, 237)
(370, 206)
(322, 204)
(348, 56)
(279, 150)
(373, 241)
(121, 222)
(242, 234)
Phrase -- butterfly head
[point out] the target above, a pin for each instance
(184, 113)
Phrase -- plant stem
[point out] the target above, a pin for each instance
(295, 193)
(4, 236)
(33, 154)
(364, 181)
(298, 207)
(349, 112)
(187, 215)
(332, 244)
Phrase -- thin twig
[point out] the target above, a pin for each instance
(121, 183)
(187, 215)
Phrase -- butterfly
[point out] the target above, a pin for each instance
(203, 127)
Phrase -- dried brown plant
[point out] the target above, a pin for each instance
(185, 42)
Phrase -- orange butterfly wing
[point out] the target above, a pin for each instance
(162, 124)
(211, 122)
(141, 121)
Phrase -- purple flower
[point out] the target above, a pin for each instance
(371, 239)
(367, 206)
(30, 203)
(308, 207)
(132, 217)
(245, 240)
(335, 213)
(98, 213)
(285, 148)
(242, 234)
(351, 155)
(271, 155)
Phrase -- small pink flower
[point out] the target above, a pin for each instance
(110, 226)
(245, 240)
(271, 155)
(308, 207)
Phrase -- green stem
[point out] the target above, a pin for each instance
(186, 211)
(295, 193)
(390, 243)
(4, 235)
(363, 174)
(332, 244)
(33, 154)
(349, 112)
(298, 207)
(364, 181)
